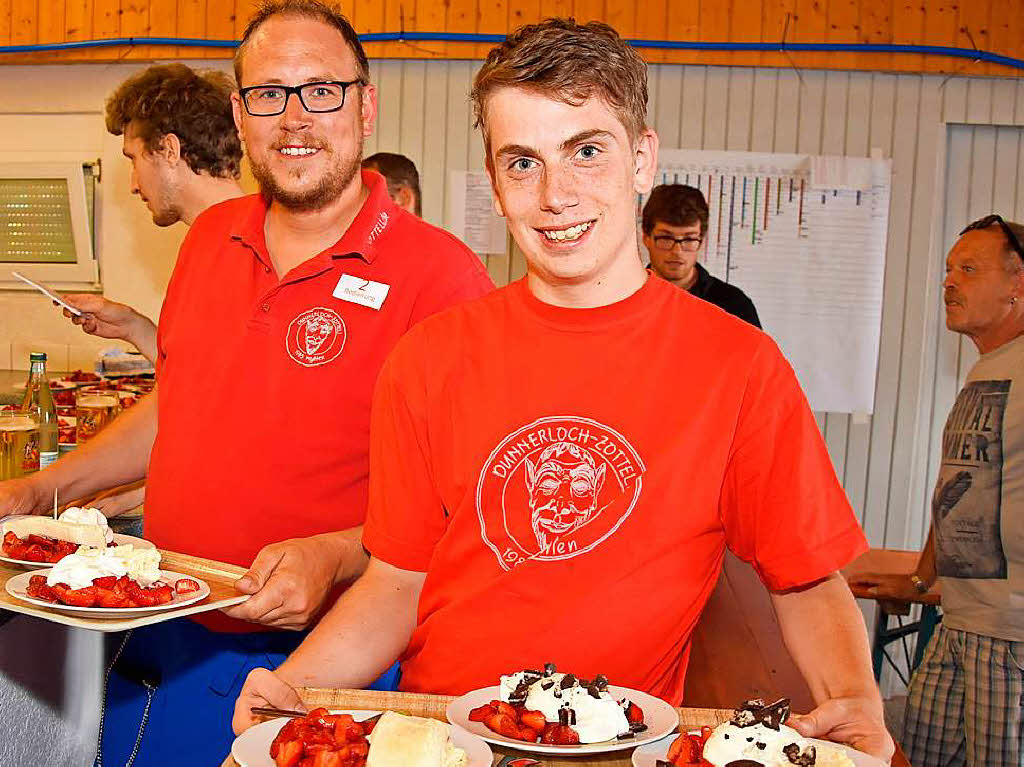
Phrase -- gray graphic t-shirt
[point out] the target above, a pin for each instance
(978, 505)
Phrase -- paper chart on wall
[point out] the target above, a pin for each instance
(805, 238)
(472, 218)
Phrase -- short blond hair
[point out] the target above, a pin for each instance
(570, 62)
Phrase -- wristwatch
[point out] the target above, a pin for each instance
(920, 585)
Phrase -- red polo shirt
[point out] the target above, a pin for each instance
(266, 382)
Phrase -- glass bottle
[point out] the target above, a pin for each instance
(39, 400)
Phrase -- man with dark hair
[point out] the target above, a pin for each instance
(279, 314)
(181, 139)
(675, 227)
(402, 177)
(964, 702)
(565, 485)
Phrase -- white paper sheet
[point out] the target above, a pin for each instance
(812, 258)
(473, 219)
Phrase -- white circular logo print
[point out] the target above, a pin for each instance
(555, 489)
(316, 337)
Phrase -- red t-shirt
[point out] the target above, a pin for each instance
(266, 383)
(569, 478)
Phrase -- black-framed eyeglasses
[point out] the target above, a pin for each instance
(667, 242)
(270, 100)
(995, 218)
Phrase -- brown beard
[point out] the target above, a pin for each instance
(322, 194)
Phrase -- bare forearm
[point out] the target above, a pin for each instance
(143, 337)
(825, 633)
(352, 557)
(117, 455)
(926, 564)
(362, 635)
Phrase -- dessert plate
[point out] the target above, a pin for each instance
(252, 747)
(120, 540)
(649, 754)
(661, 720)
(17, 587)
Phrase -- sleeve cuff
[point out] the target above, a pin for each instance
(400, 554)
(804, 567)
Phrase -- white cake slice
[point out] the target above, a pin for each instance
(83, 535)
(410, 741)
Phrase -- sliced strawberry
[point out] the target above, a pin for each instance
(505, 708)
(560, 735)
(80, 597)
(289, 754)
(35, 553)
(528, 734)
(186, 586)
(162, 594)
(481, 713)
(634, 714)
(60, 590)
(37, 579)
(11, 539)
(327, 759)
(42, 540)
(140, 596)
(503, 724)
(106, 582)
(533, 719)
(112, 600)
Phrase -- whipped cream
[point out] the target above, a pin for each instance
(758, 743)
(596, 718)
(79, 569)
(77, 515)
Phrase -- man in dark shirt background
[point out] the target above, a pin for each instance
(675, 223)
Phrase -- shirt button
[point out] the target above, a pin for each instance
(266, 307)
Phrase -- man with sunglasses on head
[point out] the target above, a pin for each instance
(964, 703)
(675, 223)
(281, 309)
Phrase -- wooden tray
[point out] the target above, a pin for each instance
(218, 575)
(433, 706)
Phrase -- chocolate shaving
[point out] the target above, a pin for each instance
(566, 717)
(594, 691)
(567, 681)
(601, 682)
(638, 727)
(627, 735)
(771, 716)
(546, 685)
(803, 758)
(744, 763)
(549, 669)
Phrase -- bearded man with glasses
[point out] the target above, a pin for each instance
(964, 706)
(280, 312)
(675, 224)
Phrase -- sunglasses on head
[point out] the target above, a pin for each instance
(994, 218)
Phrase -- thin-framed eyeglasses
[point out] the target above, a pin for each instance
(667, 242)
(995, 218)
(322, 96)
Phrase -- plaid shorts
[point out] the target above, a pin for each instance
(965, 703)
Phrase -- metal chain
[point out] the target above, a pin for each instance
(150, 690)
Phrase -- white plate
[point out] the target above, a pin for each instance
(660, 718)
(252, 747)
(648, 755)
(18, 585)
(119, 539)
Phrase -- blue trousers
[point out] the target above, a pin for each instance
(190, 677)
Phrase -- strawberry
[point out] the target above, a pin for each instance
(36, 580)
(10, 539)
(327, 759)
(289, 754)
(80, 597)
(139, 596)
(481, 713)
(106, 582)
(533, 719)
(560, 735)
(186, 586)
(528, 734)
(503, 724)
(41, 540)
(505, 708)
(634, 714)
(60, 590)
(111, 600)
(162, 594)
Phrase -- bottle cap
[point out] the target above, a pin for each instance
(37, 357)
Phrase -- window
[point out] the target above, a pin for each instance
(46, 222)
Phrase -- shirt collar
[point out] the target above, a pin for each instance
(703, 282)
(362, 238)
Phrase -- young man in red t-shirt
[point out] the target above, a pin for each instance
(535, 493)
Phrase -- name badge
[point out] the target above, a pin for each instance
(360, 291)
